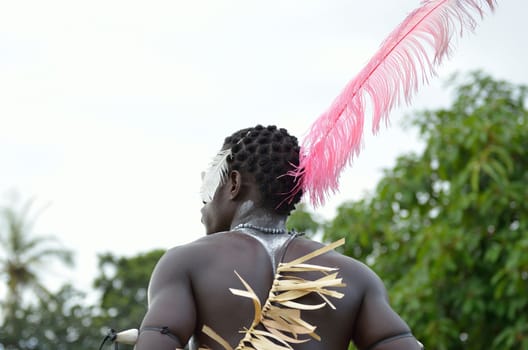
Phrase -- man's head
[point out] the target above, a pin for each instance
(267, 153)
(264, 155)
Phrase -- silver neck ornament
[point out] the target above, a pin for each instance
(267, 230)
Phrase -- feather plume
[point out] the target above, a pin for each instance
(215, 175)
(406, 59)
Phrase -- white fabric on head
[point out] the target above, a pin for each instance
(215, 175)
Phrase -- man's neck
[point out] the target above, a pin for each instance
(250, 213)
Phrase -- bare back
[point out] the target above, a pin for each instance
(249, 258)
(207, 266)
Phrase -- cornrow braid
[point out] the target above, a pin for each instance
(267, 153)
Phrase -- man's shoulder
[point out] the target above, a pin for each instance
(203, 248)
(188, 250)
(349, 267)
(307, 244)
(180, 261)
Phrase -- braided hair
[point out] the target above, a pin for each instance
(267, 153)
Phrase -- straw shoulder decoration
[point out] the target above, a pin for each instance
(280, 316)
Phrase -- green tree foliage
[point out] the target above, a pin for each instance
(447, 229)
(123, 283)
(44, 320)
(23, 255)
(60, 322)
(64, 320)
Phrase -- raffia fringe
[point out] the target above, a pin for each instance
(281, 313)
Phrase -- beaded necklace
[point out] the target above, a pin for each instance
(268, 230)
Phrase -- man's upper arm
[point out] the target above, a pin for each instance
(378, 326)
(171, 304)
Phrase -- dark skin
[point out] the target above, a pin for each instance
(190, 285)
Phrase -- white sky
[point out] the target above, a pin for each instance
(109, 110)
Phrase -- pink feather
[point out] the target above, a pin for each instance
(406, 59)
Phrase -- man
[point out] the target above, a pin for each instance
(210, 293)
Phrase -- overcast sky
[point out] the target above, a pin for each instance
(109, 110)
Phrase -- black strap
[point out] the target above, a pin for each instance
(293, 235)
(110, 336)
(390, 339)
(162, 330)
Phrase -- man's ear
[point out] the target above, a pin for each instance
(235, 184)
